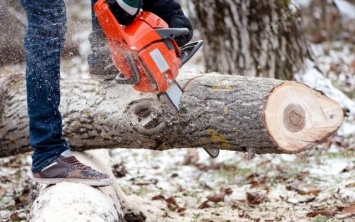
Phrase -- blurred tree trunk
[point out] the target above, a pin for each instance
(12, 29)
(13, 26)
(251, 37)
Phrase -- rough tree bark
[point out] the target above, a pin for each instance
(251, 37)
(217, 111)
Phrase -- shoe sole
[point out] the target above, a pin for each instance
(90, 182)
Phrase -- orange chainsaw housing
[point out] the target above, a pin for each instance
(138, 50)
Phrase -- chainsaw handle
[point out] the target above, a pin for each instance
(188, 50)
(170, 33)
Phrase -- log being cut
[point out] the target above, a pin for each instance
(227, 112)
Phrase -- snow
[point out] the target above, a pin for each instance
(341, 54)
(301, 3)
(346, 8)
(314, 78)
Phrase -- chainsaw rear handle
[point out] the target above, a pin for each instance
(171, 33)
(188, 50)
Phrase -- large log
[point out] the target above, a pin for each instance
(78, 202)
(217, 111)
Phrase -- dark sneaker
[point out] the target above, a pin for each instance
(99, 59)
(69, 169)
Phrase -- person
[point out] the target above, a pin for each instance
(52, 160)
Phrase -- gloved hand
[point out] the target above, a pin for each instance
(180, 21)
(125, 10)
(170, 11)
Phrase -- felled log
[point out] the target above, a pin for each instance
(78, 202)
(217, 111)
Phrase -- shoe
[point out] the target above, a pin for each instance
(99, 59)
(69, 169)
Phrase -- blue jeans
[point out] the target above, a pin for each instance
(44, 41)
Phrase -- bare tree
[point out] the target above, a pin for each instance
(251, 37)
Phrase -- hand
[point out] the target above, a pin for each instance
(181, 21)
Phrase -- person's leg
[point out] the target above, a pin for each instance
(52, 161)
(44, 41)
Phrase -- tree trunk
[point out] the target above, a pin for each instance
(12, 29)
(251, 37)
(217, 111)
(13, 24)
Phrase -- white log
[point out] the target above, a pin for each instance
(71, 202)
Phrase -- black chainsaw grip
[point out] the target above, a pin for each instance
(188, 50)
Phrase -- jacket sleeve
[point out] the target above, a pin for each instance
(170, 11)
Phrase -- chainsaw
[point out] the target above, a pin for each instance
(147, 54)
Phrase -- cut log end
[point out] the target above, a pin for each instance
(298, 117)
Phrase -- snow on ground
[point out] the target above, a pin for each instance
(346, 8)
(187, 185)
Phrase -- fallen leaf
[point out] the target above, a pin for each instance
(304, 191)
(171, 200)
(191, 157)
(329, 212)
(2, 191)
(352, 67)
(255, 198)
(174, 175)
(145, 183)
(256, 181)
(119, 170)
(350, 185)
(158, 197)
(171, 203)
(348, 211)
(219, 197)
(348, 169)
(307, 200)
(312, 191)
(214, 165)
(202, 166)
(229, 167)
(204, 205)
(15, 217)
